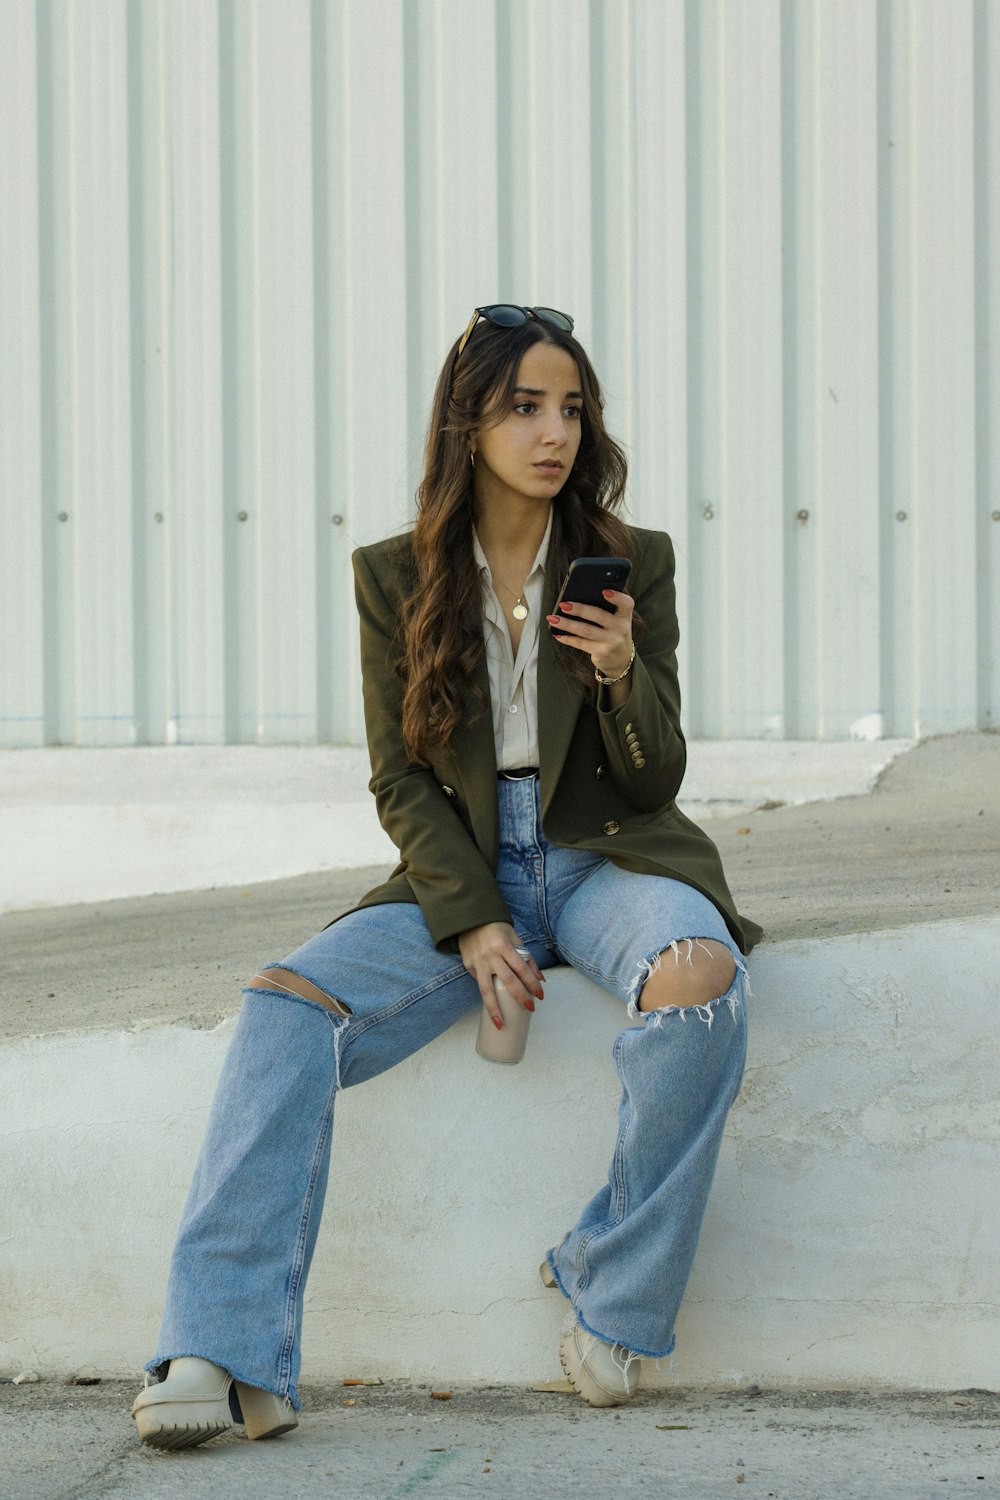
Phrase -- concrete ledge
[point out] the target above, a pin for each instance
(853, 1235)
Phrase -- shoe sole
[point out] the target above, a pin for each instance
(186, 1425)
(548, 1277)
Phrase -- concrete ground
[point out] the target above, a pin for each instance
(924, 846)
(382, 1443)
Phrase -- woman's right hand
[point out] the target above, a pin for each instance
(491, 950)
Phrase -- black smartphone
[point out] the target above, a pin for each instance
(586, 578)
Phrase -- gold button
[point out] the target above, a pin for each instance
(599, 773)
(612, 827)
(640, 760)
(449, 791)
(628, 729)
(630, 739)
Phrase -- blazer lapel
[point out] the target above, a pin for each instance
(473, 753)
(560, 698)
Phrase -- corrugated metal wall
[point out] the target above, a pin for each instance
(238, 236)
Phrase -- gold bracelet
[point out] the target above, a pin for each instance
(610, 681)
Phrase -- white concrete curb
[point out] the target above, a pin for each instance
(853, 1237)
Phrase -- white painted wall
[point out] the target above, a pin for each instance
(238, 239)
(853, 1236)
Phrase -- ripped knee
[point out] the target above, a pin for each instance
(691, 971)
(287, 982)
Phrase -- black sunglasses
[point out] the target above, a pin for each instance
(506, 315)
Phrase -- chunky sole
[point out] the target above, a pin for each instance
(548, 1277)
(184, 1424)
(584, 1383)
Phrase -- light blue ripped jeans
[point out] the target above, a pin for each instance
(251, 1219)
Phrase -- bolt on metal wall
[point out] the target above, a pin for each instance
(237, 238)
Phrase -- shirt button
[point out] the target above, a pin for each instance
(513, 708)
(612, 827)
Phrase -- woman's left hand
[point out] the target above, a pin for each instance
(606, 638)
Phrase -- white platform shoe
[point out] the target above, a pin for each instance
(603, 1374)
(199, 1401)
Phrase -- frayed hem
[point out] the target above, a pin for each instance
(153, 1366)
(705, 1011)
(631, 1350)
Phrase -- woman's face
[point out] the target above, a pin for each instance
(530, 453)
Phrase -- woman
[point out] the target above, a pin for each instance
(525, 760)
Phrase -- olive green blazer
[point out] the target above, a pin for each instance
(608, 777)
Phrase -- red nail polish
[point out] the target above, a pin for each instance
(529, 1005)
(539, 995)
(565, 604)
(498, 1023)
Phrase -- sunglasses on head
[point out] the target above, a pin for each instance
(506, 315)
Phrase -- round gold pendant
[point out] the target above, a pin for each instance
(520, 611)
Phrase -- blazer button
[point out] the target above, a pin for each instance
(640, 761)
(449, 791)
(630, 739)
(628, 728)
(599, 773)
(612, 827)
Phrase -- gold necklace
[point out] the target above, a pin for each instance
(520, 609)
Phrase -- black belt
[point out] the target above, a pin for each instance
(519, 773)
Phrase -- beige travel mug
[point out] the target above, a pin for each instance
(506, 1046)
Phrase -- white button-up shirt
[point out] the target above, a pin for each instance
(514, 680)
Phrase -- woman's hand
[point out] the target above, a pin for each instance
(492, 950)
(606, 638)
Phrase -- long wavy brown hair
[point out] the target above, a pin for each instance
(442, 621)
